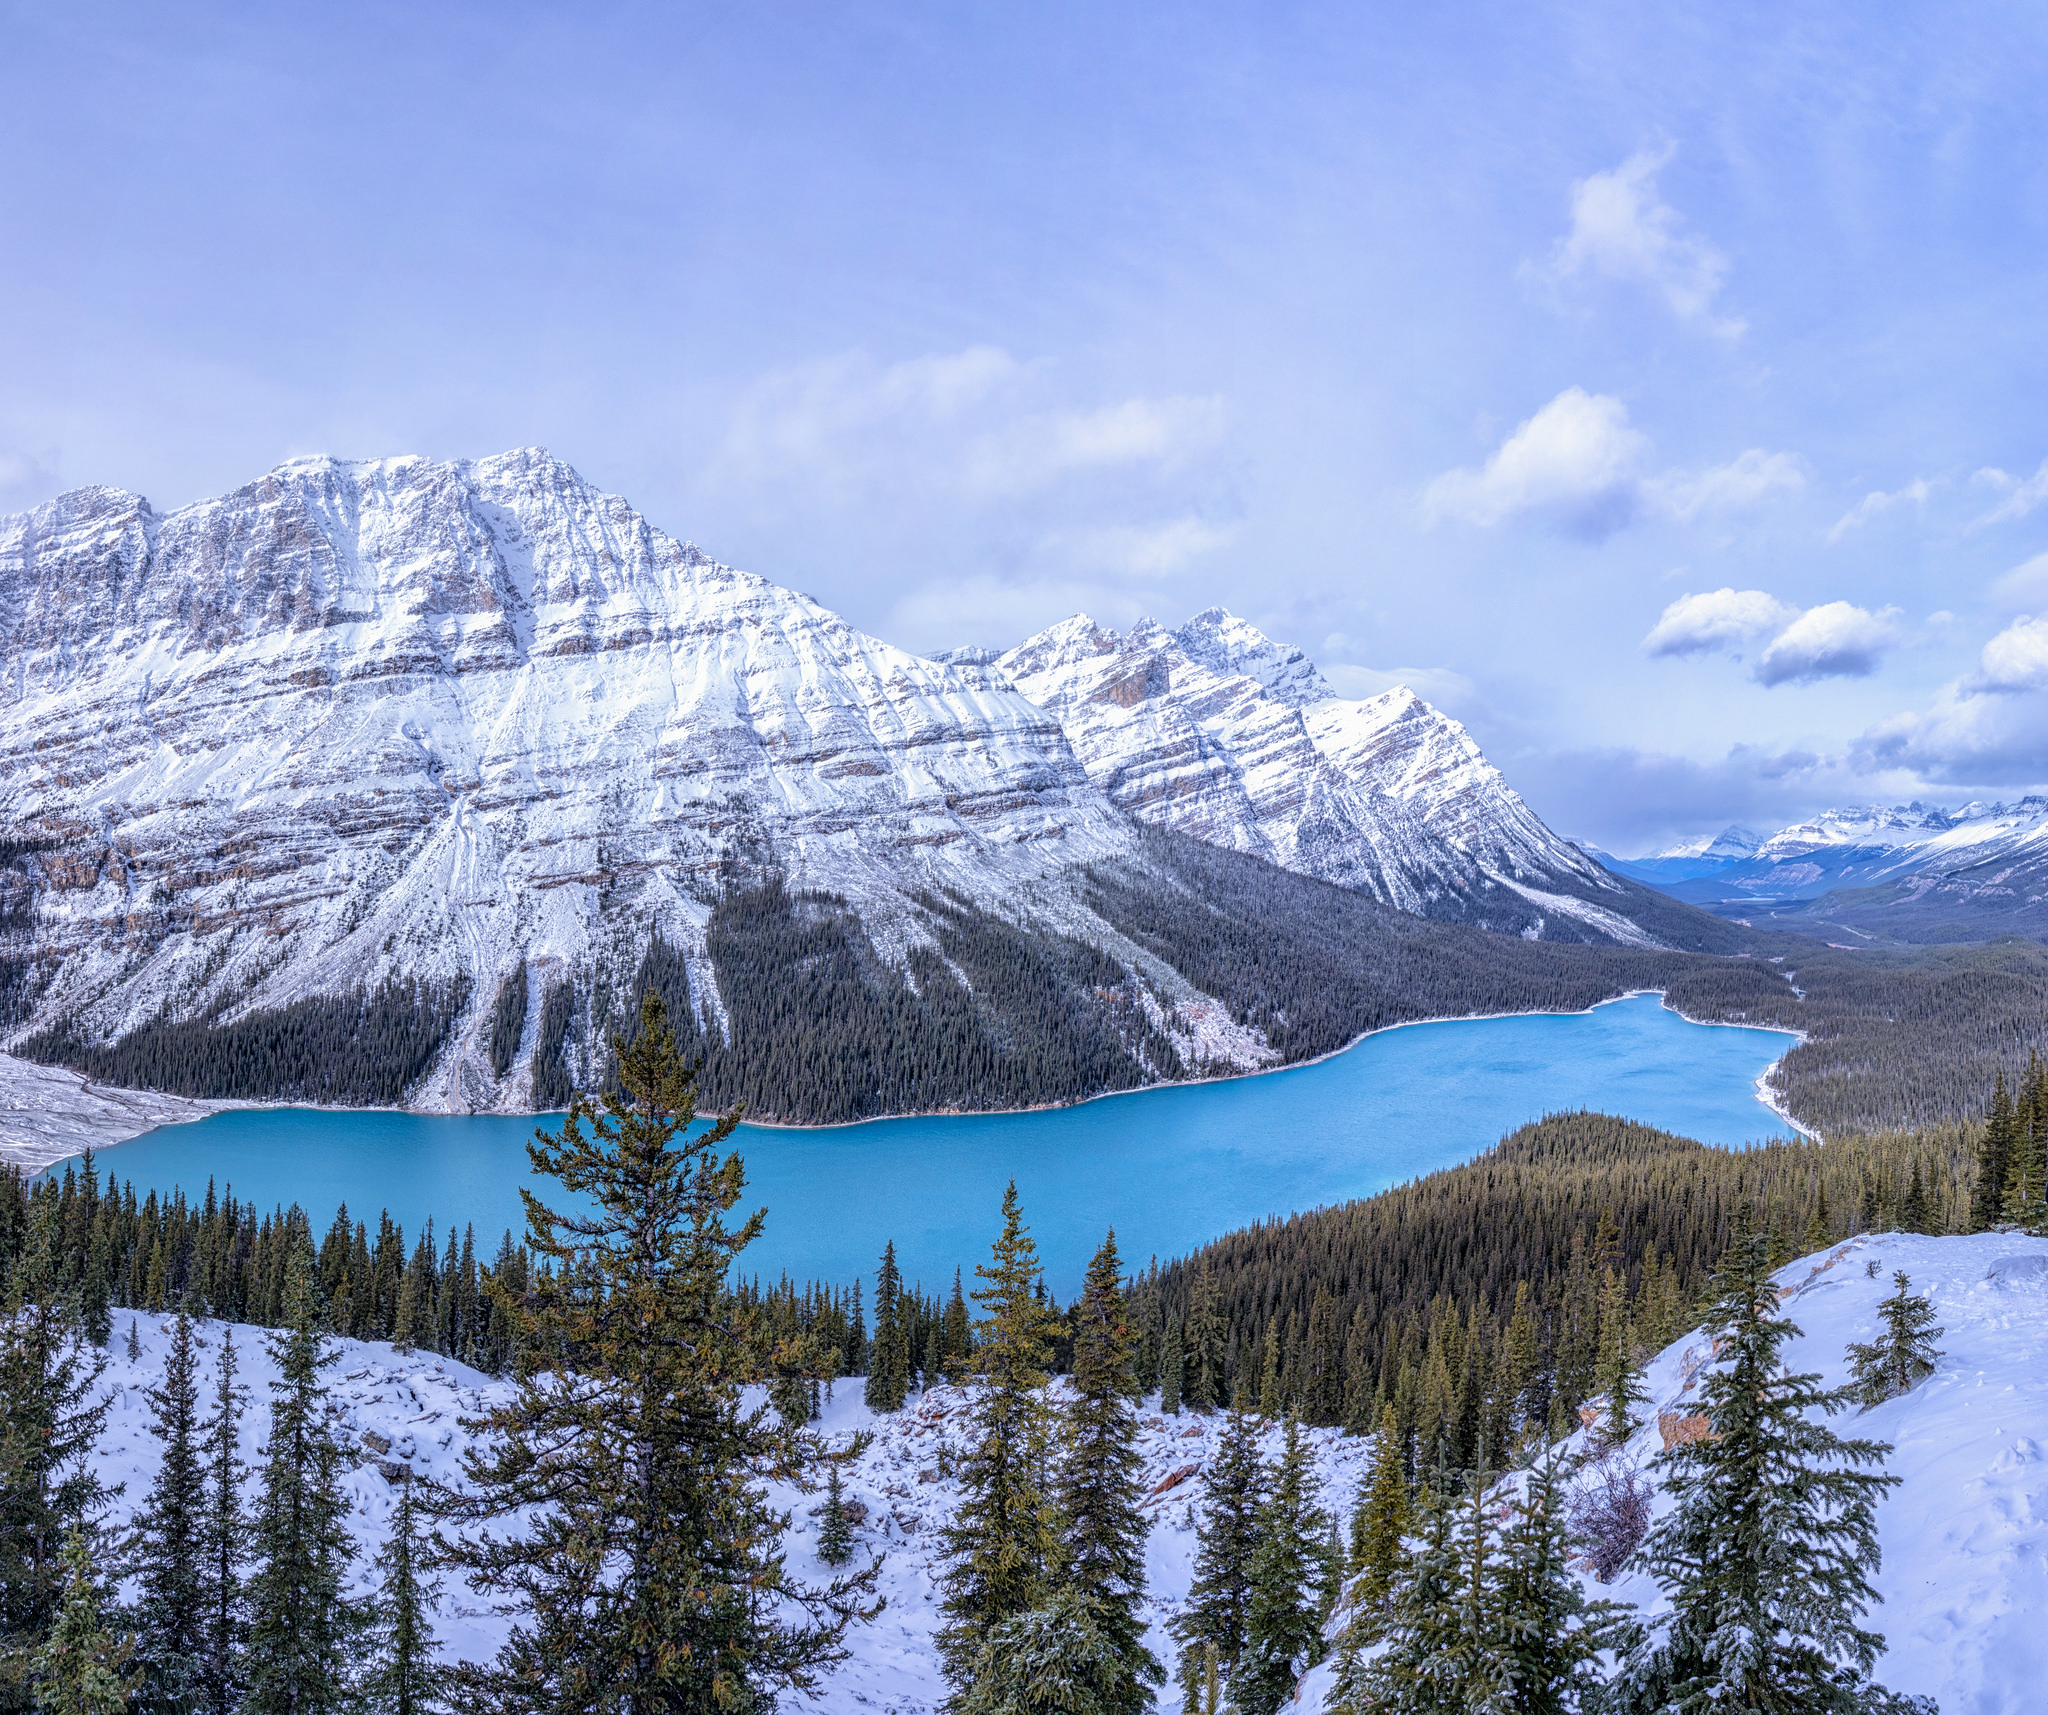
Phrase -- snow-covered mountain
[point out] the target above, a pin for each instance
(1217, 731)
(1918, 871)
(398, 719)
(366, 719)
(1965, 1612)
(1704, 854)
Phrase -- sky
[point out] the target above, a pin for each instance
(1659, 390)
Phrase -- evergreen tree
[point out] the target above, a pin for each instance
(1994, 1155)
(1913, 1212)
(404, 1677)
(303, 1627)
(889, 1366)
(224, 1543)
(1170, 1368)
(50, 1421)
(1379, 1528)
(1820, 1230)
(169, 1554)
(1056, 1659)
(1102, 1531)
(1283, 1617)
(82, 1669)
(1766, 1552)
(1204, 1384)
(2026, 1202)
(1218, 1613)
(835, 1527)
(646, 1566)
(1903, 1354)
(959, 1335)
(1546, 1637)
(1000, 1544)
(1621, 1387)
(1427, 1666)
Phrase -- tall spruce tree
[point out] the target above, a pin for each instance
(888, 1383)
(51, 1414)
(2026, 1176)
(1215, 1624)
(1903, 1354)
(223, 1625)
(1099, 1485)
(1994, 1156)
(1170, 1368)
(303, 1626)
(1427, 1664)
(1379, 1527)
(82, 1667)
(1283, 1613)
(835, 1526)
(646, 1574)
(1621, 1387)
(1767, 1551)
(1547, 1638)
(1001, 1543)
(168, 1554)
(405, 1675)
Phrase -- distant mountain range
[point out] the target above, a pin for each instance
(454, 757)
(1906, 873)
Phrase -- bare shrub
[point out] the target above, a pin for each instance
(1610, 1511)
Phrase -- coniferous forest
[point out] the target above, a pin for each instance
(794, 1011)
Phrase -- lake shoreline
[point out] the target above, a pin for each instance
(119, 1102)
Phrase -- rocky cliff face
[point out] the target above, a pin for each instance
(1215, 730)
(358, 720)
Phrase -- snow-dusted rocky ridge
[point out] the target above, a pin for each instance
(362, 720)
(1965, 1535)
(1215, 730)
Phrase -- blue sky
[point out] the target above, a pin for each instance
(1659, 389)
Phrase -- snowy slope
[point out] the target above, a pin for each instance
(1215, 730)
(399, 717)
(1965, 1535)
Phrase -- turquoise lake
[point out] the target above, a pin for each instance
(1168, 1168)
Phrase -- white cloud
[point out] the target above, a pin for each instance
(1145, 551)
(1723, 619)
(1575, 463)
(1836, 640)
(2016, 659)
(960, 422)
(2022, 494)
(1574, 459)
(1623, 230)
(1033, 451)
(1743, 482)
(1877, 502)
(2025, 587)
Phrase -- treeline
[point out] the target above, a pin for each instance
(365, 1048)
(108, 1250)
(1479, 1303)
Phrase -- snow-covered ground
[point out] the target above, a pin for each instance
(1965, 1535)
(49, 1112)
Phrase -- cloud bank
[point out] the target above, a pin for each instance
(1835, 640)
(1577, 465)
